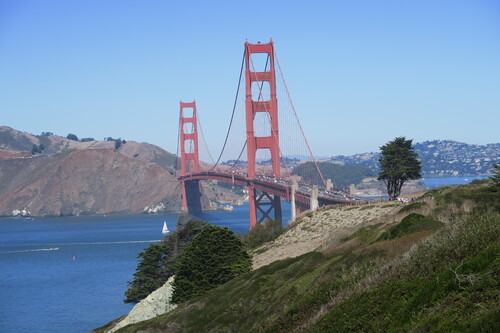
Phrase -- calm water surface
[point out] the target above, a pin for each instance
(81, 285)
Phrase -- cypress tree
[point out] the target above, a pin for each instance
(398, 164)
(157, 261)
(212, 258)
(495, 177)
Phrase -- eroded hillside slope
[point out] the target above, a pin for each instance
(431, 266)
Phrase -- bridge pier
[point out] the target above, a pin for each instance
(293, 189)
(329, 185)
(191, 197)
(264, 203)
(314, 197)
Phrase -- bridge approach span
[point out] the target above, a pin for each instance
(305, 198)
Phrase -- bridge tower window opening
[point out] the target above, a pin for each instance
(188, 128)
(187, 112)
(259, 62)
(262, 125)
(261, 91)
(189, 146)
(263, 158)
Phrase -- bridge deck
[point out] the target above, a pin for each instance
(275, 186)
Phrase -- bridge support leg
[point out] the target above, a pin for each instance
(184, 206)
(314, 197)
(294, 188)
(329, 185)
(251, 204)
(264, 203)
(191, 197)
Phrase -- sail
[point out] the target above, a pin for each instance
(165, 228)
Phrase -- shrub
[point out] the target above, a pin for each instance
(157, 261)
(410, 224)
(262, 233)
(72, 137)
(212, 258)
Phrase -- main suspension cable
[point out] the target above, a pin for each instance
(232, 115)
(203, 137)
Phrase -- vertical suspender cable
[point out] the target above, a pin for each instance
(300, 126)
(232, 115)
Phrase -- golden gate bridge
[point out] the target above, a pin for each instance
(270, 134)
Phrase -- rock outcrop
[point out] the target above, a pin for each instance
(157, 303)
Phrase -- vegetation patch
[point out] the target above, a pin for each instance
(413, 206)
(449, 284)
(262, 233)
(411, 224)
(367, 207)
(366, 234)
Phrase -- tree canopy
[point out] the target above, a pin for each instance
(72, 136)
(157, 261)
(495, 177)
(398, 164)
(212, 258)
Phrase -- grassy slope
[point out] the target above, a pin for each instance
(375, 280)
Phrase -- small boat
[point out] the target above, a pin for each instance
(165, 228)
(225, 208)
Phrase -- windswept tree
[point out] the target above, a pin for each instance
(495, 177)
(398, 164)
(157, 261)
(212, 258)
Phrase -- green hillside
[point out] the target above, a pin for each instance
(435, 269)
(339, 174)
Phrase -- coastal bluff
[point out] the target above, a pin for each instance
(157, 303)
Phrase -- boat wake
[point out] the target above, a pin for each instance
(112, 243)
(83, 243)
(33, 250)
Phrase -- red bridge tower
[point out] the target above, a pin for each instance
(257, 104)
(190, 162)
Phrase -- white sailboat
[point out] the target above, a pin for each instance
(165, 228)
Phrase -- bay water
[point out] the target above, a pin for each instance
(69, 274)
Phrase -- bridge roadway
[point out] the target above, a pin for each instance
(277, 186)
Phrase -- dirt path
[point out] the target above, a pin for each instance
(323, 228)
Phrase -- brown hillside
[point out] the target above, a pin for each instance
(91, 181)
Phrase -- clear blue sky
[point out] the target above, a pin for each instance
(360, 72)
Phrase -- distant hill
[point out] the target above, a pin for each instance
(49, 175)
(339, 174)
(439, 158)
(12, 140)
